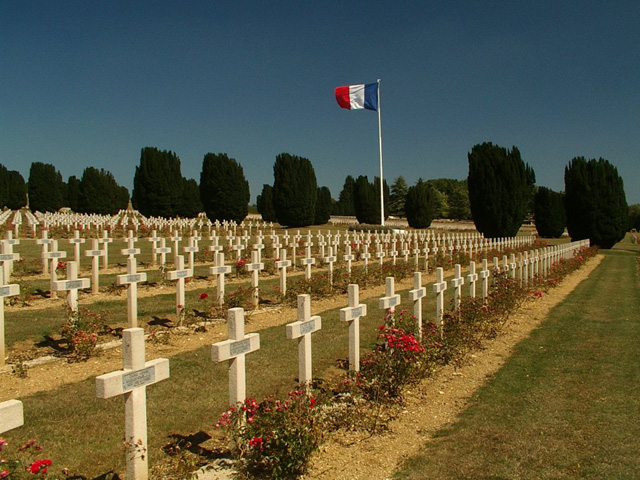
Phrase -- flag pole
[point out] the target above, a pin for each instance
(380, 143)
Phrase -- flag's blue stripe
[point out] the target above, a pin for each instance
(371, 96)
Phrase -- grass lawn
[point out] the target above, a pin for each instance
(566, 404)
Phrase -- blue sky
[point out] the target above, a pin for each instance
(92, 83)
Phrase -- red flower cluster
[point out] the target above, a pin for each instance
(257, 442)
(399, 339)
(241, 263)
(203, 295)
(40, 466)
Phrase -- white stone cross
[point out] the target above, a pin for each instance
(95, 253)
(380, 254)
(131, 278)
(11, 415)
(132, 382)
(472, 278)
(180, 274)
(220, 270)
(439, 288)
(512, 266)
(416, 295)
(7, 248)
(348, 257)
(105, 241)
(71, 285)
(235, 349)
(6, 290)
(352, 314)
(45, 242)
(76, 241)
(254, 267)
(282, 264)
(302, 330)
(391, 299)
(54, 257)
(525, 268)
(330, 260)
(7, 258)
(191, 250)
(131, 250)
(176, 238)
(484, 276)
(308, 260)
(154, 239)
(456, 282)
(162, 250)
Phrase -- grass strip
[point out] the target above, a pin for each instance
(566, 403)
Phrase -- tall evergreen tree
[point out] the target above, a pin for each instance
(13, 189)
(190, 204)
(99, 192)
(294, 190)
(500, 189)
(73, 193)
(46, 188)
(345, 199)
(157, 183)
(264, 202)
(595, 202)
(224, 190)
(323, 206)
(366, 202)
(549, 213)
(398, 196)
(420, 205)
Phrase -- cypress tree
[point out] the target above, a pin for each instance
(323, 206)
(13, 189)
(73, 193)
(224, 190)
(157, 183)
(595, 202)
(420, 205)
(365, 201)
(550, 215)
(345, 204)
(294, 190)
(99, 192)
(264, 202)
(500, 189)
(190, 204)
(46, 188)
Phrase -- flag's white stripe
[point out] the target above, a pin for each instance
(356, 96)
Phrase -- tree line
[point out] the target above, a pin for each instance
(498, 194)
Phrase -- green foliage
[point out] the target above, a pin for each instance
(550, 215)
(264, 202)
(634, 217)
(366, 200)
(224, 190)
(345, 205)
(420, 205)
(274, 438)
(73, 193)
(323, 206)
(397, 361)
(190, 205)
(451, 198)
(595, 202)
(157, 183)
(500, 189)
(46, 188)
(294, 190)
(100, 193)
(399, 189)
(13, 189)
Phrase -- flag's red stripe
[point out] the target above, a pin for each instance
(342, 96)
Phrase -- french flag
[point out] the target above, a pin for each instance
(358, 96)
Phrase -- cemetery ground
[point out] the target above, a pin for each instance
(85, 434)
